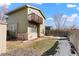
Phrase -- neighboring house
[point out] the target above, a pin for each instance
(27, 22)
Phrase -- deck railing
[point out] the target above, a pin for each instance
(35, 18)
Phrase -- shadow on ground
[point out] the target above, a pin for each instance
(51, 51)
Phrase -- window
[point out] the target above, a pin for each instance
(12, 27)
(33, 27)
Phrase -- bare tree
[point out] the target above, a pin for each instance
(3, 10)
(73, 27)
(59, 21)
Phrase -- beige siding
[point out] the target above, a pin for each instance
(20, 19)
(3, 30)
(42, 29)
(30, 10)
(42, 26)
(32, 31)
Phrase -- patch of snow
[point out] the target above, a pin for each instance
(64, 49)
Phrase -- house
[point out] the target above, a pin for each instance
(27, 22)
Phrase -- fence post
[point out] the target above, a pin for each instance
(3, 33)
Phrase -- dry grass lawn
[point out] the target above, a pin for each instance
(37, 47)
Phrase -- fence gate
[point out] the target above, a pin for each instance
(3, 30)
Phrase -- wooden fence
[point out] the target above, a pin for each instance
(56, 33)
(74, 39)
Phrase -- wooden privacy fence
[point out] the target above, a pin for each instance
(3, 30)
(56, 33)
(74, 38)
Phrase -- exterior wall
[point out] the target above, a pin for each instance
(42, 29)
(3, 30)
(20, 22)
(20, 19)
(30, 10)
(74, 38)
(42, 26)
(22, 36)
(32, 34)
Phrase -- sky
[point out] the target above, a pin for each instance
(49, 9)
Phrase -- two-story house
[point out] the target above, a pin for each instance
(27, 22)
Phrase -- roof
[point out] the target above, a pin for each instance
(23, 6)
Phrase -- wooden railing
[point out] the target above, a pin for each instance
(35, 18)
